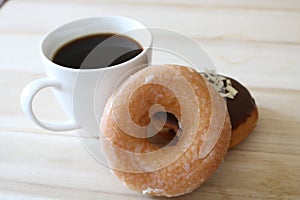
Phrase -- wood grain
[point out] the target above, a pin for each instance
(257, 42)
(231, 23)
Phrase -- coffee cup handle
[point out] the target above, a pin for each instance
(27, 97)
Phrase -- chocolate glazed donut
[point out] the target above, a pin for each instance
(243, 113)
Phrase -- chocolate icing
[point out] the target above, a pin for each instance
(241, 107)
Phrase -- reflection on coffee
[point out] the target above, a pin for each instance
(97, 51)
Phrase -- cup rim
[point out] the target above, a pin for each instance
(145, 48)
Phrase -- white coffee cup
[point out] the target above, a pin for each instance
(82, 93)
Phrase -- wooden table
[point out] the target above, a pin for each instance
(257, 42)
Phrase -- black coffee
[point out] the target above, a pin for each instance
(97, 51)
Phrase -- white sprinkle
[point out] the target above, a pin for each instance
(229, 95)
(223, 94)
(220, 86)
(230, 89)
(228, 82)
(222, 78)
(217, 81)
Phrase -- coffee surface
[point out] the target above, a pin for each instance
(97, 51)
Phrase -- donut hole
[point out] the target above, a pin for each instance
(147, 95)
(168, 135)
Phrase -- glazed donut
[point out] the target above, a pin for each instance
(203, 131)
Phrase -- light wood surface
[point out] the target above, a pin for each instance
(257, 42)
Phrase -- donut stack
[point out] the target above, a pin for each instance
(167, 128)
